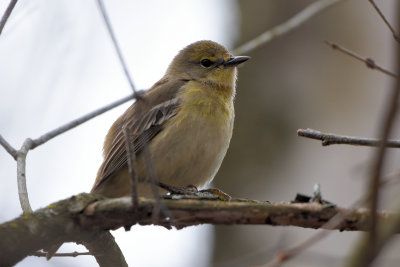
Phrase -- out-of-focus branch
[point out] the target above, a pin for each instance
(294, 22)
(368, 249)
(395, 36)
(7, 14)
(370, 63)
(333, 139)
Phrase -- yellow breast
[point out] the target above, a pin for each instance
(208, 100)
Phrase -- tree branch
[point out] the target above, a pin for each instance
(12, 151)
(7, 14)
(53, 225)
(83, 216)
(395, 36)
(21, 176)
(370, 63)
(368, 249)
(281, 29)
(117, 47)
(334, 139)
(72, 124)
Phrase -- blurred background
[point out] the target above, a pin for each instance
(57, 63)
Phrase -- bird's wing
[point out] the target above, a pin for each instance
(143, 130)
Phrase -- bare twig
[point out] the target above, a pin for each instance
(292, 23)
(21, 176)
(7, 14)
(333, 139)
(370, 63)
(72, 124)
(131, 160)
(160, 207)
(395, 36)
(116, 46)
(12, 151)
(68, 254)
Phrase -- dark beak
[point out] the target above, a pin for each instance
(234, 61)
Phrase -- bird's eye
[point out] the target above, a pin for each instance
(206, 63)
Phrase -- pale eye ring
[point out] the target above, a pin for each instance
(206, 63)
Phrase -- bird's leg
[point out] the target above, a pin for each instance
(191, 191)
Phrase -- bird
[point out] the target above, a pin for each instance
(185, 121)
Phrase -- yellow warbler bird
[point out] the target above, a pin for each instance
(185, 120)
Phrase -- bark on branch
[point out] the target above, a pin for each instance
(80, 217)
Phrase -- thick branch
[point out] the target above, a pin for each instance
(54, 225)
(81, 217)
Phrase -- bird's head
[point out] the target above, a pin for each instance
(206, 61)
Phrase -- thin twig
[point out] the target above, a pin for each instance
(21, 176)
(153, 179)
(292, 23)
(12, 151)
(117, 47)
(72, 124)
(69, 254)
(7, 14)
(397, 38)
(333, 139)
(159, 207)
(131, 160)
(370, 63)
